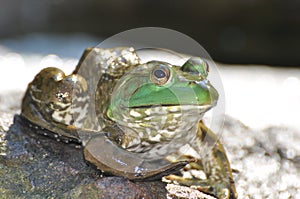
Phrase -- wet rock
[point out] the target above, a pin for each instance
(118, 187)
(36, 167)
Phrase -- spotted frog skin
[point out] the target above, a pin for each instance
(134, 119)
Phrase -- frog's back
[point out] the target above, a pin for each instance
(110, 63)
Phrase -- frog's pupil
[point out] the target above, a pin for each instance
(159, 73)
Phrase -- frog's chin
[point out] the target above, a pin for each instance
(183, 109)
(192, 109)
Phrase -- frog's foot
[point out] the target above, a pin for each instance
(121, 162)
(217, 189)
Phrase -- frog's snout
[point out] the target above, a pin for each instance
(212, 94)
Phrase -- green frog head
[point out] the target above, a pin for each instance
(158, 101)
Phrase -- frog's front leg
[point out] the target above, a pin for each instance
(211, 173)
(111, 158)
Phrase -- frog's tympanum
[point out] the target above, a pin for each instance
(134, 119)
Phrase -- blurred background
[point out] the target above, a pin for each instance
(244, 36)
(243, 32)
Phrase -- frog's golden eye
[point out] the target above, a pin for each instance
(160, 74)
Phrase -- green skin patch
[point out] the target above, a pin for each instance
(180, 93)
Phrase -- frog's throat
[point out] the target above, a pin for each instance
(167, 121)
(118, 113)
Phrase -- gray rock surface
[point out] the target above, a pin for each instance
(268, 160)
(35, 166)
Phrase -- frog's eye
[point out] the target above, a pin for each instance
(197, 66)
(160, 74)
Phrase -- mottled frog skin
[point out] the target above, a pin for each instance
(134, 119)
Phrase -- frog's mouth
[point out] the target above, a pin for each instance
(197, 95)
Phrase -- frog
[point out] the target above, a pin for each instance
(140, 120)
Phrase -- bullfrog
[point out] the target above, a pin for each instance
(140, 120)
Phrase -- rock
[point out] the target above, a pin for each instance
(177, 191)
(118, 187)
(268, 160)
